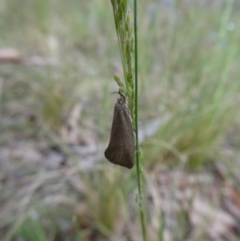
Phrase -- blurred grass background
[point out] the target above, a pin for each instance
(189, 78)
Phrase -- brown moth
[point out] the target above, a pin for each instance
(121, 148)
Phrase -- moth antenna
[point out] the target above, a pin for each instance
(113, 92)
(123, 97)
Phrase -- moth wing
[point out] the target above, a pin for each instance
(120, 156)
(121, 147)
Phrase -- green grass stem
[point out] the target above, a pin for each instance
(138, 169)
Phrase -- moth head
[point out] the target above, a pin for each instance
(122, 99)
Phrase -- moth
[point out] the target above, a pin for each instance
(121, 147)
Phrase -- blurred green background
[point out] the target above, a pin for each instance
(56, 64)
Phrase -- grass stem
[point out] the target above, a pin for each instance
(139, 176)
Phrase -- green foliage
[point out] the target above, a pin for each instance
(105, 198)
(124, 31)
(199, 89)
(31, 230)
(55, 97)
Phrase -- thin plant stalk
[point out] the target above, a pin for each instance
(127, 40)
(138, 169)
